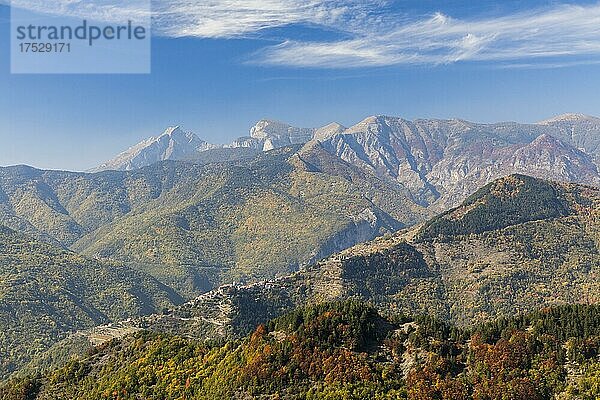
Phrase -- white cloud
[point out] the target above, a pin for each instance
(235, 18)
(99, 10)
(371, 38)
(212, 18)
(557, 32)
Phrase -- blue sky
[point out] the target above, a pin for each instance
(219, 66)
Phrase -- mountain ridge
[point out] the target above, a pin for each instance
(464, 276)
(270, 134)
(265, 215)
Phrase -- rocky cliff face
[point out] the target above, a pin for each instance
(545, 157)
(173, 144)
(273, 134)
(582, 131)
(366, 226)
(441, 161)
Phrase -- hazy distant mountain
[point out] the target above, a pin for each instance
(439, 162)
(578, 129)
(172, 144)
(442, 161)
(275, 134)
(176, 144)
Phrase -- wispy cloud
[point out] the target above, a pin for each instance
(99, 10)
(212, 18)
(370, 38)
(561, 31)
(238, 18)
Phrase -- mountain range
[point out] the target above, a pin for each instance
(47, 291)
(464, 222)
(516, 246)
(439, 161)
(204, 215)
(195, 226)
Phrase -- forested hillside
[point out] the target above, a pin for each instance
(47, 292)
(518, 245)
(196, 226)
(345, 350)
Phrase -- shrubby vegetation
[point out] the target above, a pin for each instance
(196, 226)
(346, 350)
(47, 292)
(507, 201)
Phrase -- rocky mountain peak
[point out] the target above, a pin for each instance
(176, 134)
(266, 127)
(275, 134)
(373, 122)
(327, 131)
(171, 130)
(172, 144)
(569, 117)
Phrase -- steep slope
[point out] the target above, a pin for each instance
(578, 129)
(47, 292)
(344, 350)
(194, 226)
(517, 245)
